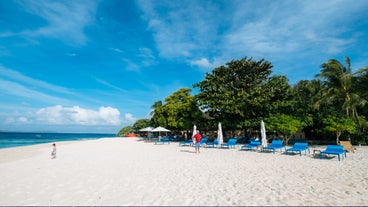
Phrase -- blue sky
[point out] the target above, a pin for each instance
(97, 66)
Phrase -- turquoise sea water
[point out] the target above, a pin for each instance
(16, 139)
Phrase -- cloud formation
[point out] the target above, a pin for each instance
(66, 20)
(77, 115)
(60, 115)
(259, 29)
(203, 62)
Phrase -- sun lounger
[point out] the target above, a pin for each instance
(275, 145)
(230, 144)
(164, 140)
(347, 146)
(333, 150)
(251, 145)
(212, 144)
(203, 141)
(189, 142)
(299, 147)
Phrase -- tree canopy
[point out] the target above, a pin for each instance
(243, 92)
(178, 112)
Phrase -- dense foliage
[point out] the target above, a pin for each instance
(243, 92)
(285, 124)
(179, 111)
(124, 131)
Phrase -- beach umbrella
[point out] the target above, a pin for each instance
(147, 129)
(194, 130)
(220, 136)
(263, 134)
(159, 130)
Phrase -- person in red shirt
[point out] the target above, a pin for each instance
(197, 137)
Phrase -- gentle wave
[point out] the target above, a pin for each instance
(16, 139)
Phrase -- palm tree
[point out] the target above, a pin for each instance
(155, 106)
(339, 87)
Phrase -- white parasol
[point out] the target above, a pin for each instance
(159, 130)
(147, 129)
(263, 134)
(220, 136)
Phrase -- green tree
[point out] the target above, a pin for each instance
(339, 82)
(124, 131)
(241, 93)
(278, 96)
(285, 124)
(140, 124)
(179, 111)
(361, 83)
(155, 105)
(361, 87)
(339, 125)
(306, 96)
(158, 114)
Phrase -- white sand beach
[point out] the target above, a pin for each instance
(126, 171)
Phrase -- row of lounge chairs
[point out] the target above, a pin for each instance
(298, 147)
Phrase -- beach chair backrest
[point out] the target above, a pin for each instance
(277, 142)
(301, 145)
(255, 143)
(335, 148)
(203, 140)
(232, 141)
(347, 145)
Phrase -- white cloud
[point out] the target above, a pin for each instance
(105, 83)
(147, 57)
(13, 75)
(66, 20)
(180, 30)
(203, 62)
(18, 90)
(57, 118)
(258, 29)
(77, 115)
(294, 28)
(33, 90)
(129, 118)
(23, 119)
(116, 50)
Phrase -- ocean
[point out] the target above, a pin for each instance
(16, 139)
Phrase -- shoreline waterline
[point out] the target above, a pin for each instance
(16, 139)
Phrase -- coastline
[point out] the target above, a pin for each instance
(17, 139)
(126, 171)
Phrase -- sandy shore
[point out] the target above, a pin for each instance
(122, 171)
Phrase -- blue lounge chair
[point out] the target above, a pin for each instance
(299, 147)
(212, 144)
(164, 140)
(275, 145)
(189, 142)
(230, 144)
(203, 141)
(251, 145)
(333, 150)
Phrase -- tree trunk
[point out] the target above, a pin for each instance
(338, 137)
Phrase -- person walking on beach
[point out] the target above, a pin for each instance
(53, 153)
(197, 137)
